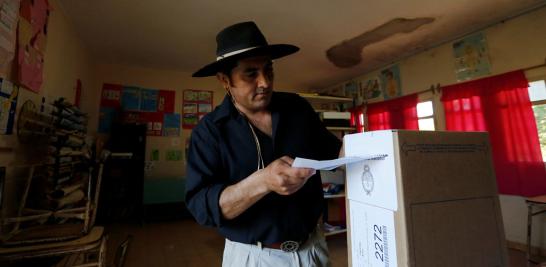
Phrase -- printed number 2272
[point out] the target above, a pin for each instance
(378, 242)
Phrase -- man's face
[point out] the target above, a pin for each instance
(252, 83)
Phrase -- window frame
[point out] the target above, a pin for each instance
(536, 103)
(433, 116)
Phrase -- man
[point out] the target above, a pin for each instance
(239, 174)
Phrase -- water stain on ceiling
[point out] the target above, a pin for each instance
(348, 53)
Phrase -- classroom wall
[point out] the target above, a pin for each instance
(66, 59)
(153, 79)
(158, 79)
(518, 43)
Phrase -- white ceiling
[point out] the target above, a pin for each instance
(180, 34)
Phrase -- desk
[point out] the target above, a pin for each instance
(538, 202)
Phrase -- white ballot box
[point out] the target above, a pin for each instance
(432, 201)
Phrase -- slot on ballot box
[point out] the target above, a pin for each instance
(432, 201)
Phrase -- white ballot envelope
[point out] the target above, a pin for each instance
(327, 165)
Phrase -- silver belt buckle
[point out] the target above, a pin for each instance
(290, 246)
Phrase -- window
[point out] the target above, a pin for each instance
(537, 94)
(425, 113)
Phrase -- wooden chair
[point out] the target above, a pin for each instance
(86, 251)
(82, 244)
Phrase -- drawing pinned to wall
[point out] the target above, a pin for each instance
(166, 101)
(173, 155)
(148, 100)
(8, 104)
(189, 108)
(471, 57)
(111, 95)
(370, 89)
(189, 120)
(191, 95)
(390, 82)
(195, 105)
(153, 121)
(130, 98)
(9, 15)
(171, 124)
(350, 89)
(32, 36)
(205, 96)
(205, 108)
(154, 155)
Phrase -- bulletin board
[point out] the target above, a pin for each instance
(133, 104)
(196, 103)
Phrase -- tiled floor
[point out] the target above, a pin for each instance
(184, 243)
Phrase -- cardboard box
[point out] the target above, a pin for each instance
(432, 201)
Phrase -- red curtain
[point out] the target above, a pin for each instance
(400, 113)
(501, 106)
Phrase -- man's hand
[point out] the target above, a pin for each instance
(281, 178)
(277, 177)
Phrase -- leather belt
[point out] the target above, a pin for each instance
(286, 246)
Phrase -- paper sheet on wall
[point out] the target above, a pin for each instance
(32, 37)
(9, 15)
(8, 104)
(171, 124)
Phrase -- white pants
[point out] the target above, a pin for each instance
(312, 253)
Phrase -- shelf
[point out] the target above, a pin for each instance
(335, 232)
(341, 128)
(335, 195)
(327, 98)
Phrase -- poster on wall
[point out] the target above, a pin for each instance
(195, 104)
(32, 36)
(173, 155)
(390, 82)
(107, 116)
(153, 121)
(471, 57)
(132, 104)
(9, 15)
(111, 95)
(351, 89)
(165, 102)
(149, 99)
(171, 124)
(8, 104)
(130, 98)
(370, 89)
(154, 155)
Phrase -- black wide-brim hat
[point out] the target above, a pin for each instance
(242, 40)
